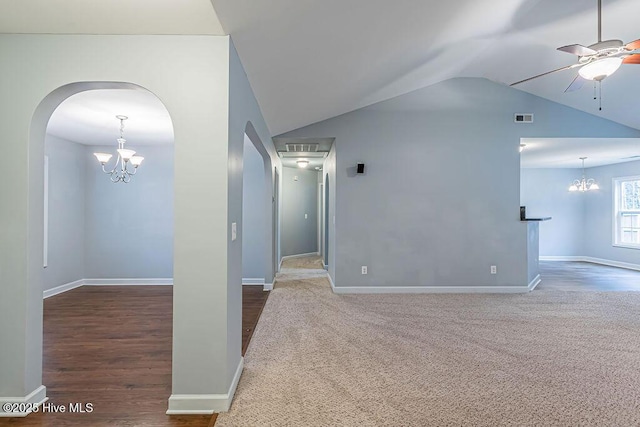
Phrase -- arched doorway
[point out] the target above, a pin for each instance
(124, 231)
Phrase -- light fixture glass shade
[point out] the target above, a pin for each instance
(126, 154)
(103, 157)
(601, 68)
(594, 186)
(573, 187)
(303, 163)
(136, 160)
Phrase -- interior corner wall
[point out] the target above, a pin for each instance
(194, 86)
(129, 227)
(439, 201)
(245, 117)
(299, 211)
(253, 213)
(66, 250)
(545, 192)
(599, 214)
(329, 171)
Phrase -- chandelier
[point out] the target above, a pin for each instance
(120, 171)
(584, 184)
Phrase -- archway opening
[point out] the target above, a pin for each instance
(99, 239)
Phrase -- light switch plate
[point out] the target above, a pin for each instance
(234, 231)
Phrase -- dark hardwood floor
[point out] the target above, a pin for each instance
(585, 276)
(111, 346)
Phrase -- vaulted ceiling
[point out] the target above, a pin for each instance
(311, 60)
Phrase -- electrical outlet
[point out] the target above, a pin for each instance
(234, 231)
(306, 216)
(494, 269)
(364, 269)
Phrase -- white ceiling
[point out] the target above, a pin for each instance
(312, 60)
(566, 152)
(90, 118)
(109, 17)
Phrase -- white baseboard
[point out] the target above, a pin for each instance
(268, 287)
(128, 282)
(105, 282)
(193, 404)
(608, 262)
(333, 285)
(535, 282)
(62, 288)
(561, 258)
(252, 281)
(429, 289)
(35, 398)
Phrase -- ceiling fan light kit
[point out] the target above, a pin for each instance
(597, 61)
(601, 68)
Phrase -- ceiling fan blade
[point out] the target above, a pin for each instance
(544, 74)
(576, 84)
(633, 45)
(578, 49)
(632, 59)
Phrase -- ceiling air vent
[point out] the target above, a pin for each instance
(301, 148)
(523, 117)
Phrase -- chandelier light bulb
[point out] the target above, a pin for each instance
(136, 160)
(126, 154)
(103, 157)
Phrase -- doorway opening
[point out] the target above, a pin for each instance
(101, 237)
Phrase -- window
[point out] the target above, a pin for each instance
(627, 212)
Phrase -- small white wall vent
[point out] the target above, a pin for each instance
(523, 117)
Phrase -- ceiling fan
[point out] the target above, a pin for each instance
(597, 61)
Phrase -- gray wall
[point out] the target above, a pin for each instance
(253, 213)
(545, 192)
(599, 214)
(299, 234)
(439, 201)
(66, 254)
(102, 230)
(129, 227)
(244, 117)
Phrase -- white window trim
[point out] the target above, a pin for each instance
(616, 191)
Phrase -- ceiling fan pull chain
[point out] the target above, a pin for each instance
(595, 93)
(600, 97)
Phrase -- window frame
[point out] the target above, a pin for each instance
(618, 213)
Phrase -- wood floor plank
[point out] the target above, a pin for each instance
(111, 346)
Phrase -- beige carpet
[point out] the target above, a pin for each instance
(311, 262)
(544, 358)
